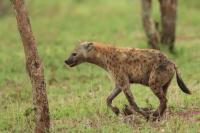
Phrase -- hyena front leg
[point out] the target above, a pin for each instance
(124, 84)
(112, 95)
(132, 103)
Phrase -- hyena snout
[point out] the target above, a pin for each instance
(71, 61)
(67, 62)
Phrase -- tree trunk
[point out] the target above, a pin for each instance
(148, 24)
(34, 68)
(168, 22)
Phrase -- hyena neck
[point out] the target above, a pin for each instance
(98, 58)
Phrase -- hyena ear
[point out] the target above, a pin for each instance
(79, 41)
(88, 46)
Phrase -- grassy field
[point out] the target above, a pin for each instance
(77, 96)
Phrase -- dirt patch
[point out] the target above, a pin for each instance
(192, 114)
(187, 114)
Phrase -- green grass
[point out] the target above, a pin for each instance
(77, 96)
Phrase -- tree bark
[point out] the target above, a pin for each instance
(34, 68)
(148, 24)
(168, 22)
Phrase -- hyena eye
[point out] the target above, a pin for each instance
(74, 54)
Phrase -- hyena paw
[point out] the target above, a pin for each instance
(156, 116)
(115, 110)
(127, 110)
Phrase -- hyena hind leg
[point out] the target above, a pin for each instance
(162, 106)
(166, 86)
(159, 82)
(160, 90)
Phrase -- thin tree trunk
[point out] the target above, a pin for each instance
(148, 24)
(34, 68)
(168, 22)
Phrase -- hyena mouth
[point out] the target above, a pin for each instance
(73, 64)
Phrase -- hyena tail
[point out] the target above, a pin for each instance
(180, 82)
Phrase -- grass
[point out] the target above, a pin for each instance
(77, 96)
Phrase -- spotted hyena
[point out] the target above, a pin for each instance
(130, 65)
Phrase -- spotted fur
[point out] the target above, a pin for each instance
(130, 65)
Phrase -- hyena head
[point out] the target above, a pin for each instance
(80, 54)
